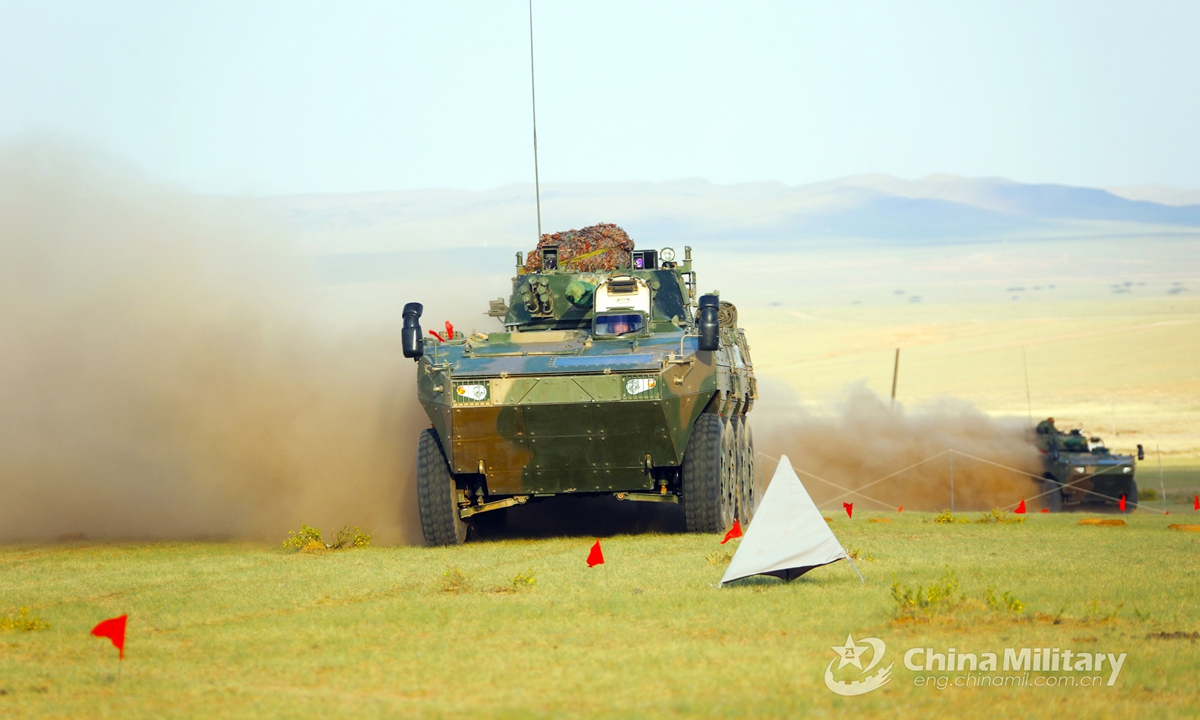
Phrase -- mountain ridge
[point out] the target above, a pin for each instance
(936, 209)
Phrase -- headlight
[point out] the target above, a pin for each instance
(471, 392)
(1080, 470)
(1126, 469)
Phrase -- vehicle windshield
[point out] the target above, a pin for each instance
(621, 324)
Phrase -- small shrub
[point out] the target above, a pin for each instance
(523, 581)
(1145, 494)
(308, 539)
(1096, 615)
(857, 553)
(999, 516)
(720, 557)
(454, 581)
(300, 540)
(938, 597)
(520, 581)
(23, 621)
(347, 538)
(945, 517)
(1006, 602)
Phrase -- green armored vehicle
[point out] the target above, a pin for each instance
(612, 376)
(1079, 470)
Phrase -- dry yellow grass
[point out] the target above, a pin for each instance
(1128, 361)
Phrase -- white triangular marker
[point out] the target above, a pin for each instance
(788, 537)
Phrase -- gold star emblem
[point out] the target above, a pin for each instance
(850, 653)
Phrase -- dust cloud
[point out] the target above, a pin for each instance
(865, 439)
(169, 369)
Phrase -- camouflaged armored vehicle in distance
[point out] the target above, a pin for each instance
(613, 375)
(1079, 470)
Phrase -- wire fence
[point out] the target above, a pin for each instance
(847, 492)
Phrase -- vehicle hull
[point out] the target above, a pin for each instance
(575, 434)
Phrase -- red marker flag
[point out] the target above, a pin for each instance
(1020, 508)
(1196, 502)
(1045, 510)
(595, 557)
(849, 507)
(900, 509)
(734, 532)
(113, 629)
(449, 333)
(1121, 503)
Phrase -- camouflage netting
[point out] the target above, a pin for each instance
(602, 247)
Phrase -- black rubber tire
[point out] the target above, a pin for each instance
(731, 445)
(702, 475)
(437, 494)
(1131, 497)
(1053, 501)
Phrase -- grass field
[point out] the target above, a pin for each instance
(240, 630)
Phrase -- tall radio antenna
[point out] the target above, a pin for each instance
(537, 186)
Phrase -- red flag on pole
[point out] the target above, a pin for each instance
(1196, 502)
(113, 629)
(1121, 503)
(734, 532)
(849, 508)
(1020, 508)
(595, 557)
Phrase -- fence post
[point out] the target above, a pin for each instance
(952, 480)
(1161, 485)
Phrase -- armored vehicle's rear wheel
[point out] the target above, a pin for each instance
(707, 475)
(1053, 498)
(1131, 494)
(437, 494)
(746, 474)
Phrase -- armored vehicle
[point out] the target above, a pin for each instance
(1079, 469)
(612, 375)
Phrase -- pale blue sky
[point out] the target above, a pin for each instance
(280, 97)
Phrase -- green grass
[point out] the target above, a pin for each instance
(241, 630)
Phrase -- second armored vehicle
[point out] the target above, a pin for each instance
(1079, 469)
(613, 375)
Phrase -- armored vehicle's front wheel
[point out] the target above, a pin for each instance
(709, 466)
(437, 494)
(1052, 500)
(731, 455)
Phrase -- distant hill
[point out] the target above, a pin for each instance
(1161, 194)
(870, 209)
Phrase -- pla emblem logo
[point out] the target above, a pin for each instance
(852, 654)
